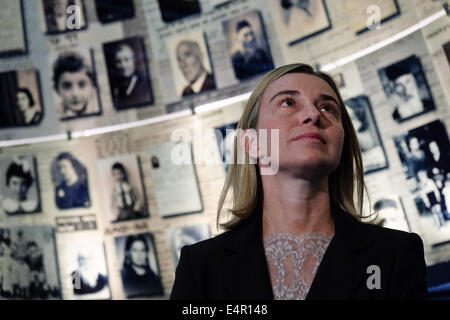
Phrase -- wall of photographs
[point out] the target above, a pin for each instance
(76, 213)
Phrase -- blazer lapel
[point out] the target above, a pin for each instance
(246, 268)
(343, 267)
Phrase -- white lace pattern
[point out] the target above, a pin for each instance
(293, 262)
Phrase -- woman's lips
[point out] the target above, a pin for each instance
(311, 136)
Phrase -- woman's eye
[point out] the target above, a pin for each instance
(328, 108)
(287, 102)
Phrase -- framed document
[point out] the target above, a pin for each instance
(174, 179)
(12, 29)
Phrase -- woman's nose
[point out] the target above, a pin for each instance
(310, 114)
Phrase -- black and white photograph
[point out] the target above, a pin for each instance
(75, 87)
(191, 64)
(12, 26)
(83, 268)
(361, 114)
(184, 236)
(20, 97)
(391, 210)
(248, 45)
(70, 181)
(406, 88)
(173, 10)
(19, 186)
(425, 156)
(122, 187)
(298, 20)
(28, 263)
(138, 265)
(61, 16)
(114, 10)
(128, 74)
(225, 142)
(174, 179)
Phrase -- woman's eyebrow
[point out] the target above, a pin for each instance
(326, 97)
(289, 92)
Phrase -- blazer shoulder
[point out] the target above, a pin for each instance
(390, 237)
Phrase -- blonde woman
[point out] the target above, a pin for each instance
(298, 233)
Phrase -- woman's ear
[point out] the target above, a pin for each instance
(249, 142)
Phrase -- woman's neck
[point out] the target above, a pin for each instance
(296, 206)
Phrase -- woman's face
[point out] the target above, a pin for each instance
(118, 175)
(307, 113)
(76, 89)
(23, 102)
(138, 253)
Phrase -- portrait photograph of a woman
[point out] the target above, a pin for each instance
(71, 182)
(293, 215)
(139, 271)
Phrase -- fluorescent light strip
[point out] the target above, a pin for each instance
(386, 42)
(222, 103)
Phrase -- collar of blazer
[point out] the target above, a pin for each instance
(341, 272)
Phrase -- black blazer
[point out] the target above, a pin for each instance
(233, 265)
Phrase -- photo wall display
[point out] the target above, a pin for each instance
(213, 54)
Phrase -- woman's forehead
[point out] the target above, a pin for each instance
(306, 84)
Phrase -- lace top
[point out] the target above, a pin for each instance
(293, 262)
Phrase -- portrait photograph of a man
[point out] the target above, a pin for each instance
(191, 64)
(128, 73)
(406, 88)
(248, 45)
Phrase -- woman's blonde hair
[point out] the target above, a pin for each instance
(243, 183)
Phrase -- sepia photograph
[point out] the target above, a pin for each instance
(128, 74)
(248, 45)
(114, 10)
(191, 64)
(28, 263)
(70, 180)
(425, 156)
(123, 188)
(13, 31)
(83, 269)
(19, 185)
(225, 142)
(361, 114)
(21, 101)
(298, 20)
(139, 266)
(184, 236)
(60, 16)
(406, 88)
(173, 10)
(75, 86)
